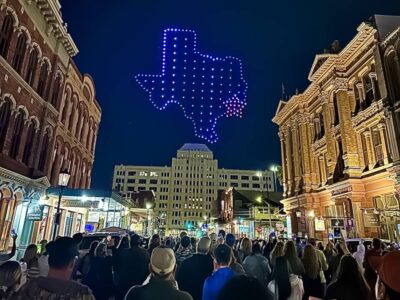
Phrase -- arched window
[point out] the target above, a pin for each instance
(30, 136)
(19, 53)
(5, 35)
(56, 91)
(5, 113)
(393, 76)
(42, 80)
(43, 152)
(30, 71)
(17, 132)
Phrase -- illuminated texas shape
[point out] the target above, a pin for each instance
(205, 87)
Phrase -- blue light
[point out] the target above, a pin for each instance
(210, 75)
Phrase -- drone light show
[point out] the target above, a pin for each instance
(204, 86)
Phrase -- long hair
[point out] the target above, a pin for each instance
(281, 277)
(290, 254)
(30, 254)
(311, 262)
(124, 243)
(10, 278)
(92, 248)
(245, 247)
(277, 251)
(101, 250)
(350, 278)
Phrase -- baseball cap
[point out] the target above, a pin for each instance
(162, 260)
(389, 270)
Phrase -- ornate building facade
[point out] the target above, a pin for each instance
(340, 139)
(49, 116)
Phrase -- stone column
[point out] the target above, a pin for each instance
(349, 141)
(305, 147)
(289, 162)
(374, 84)
(296, 163)
(381, 128)
(361, 94)
(392, 133)
(85, 133)
(370, 150)
(284, 162)
(90, 138)
(329, 136)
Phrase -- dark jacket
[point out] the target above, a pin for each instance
(157, 289)
(43, 288)
(340, 292)
(313, 287)
(100, 278)
(214, 284)
(193, 272)
(133, 268)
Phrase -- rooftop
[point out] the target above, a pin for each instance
(194, 147)
(386, 24)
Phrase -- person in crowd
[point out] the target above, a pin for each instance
(235, 266)
(299, 247)
(245, 248)
(243, 287)
(214, 238)
(322, 260)
(162, 283)
(222, 273)
(8, 256)
(350, 283)
(311, 278)
(372, 260)
(257, 265)
(335, 260)
(133, 258)
(100, 278)
(283, 284)
(388, 283)
(329, 253)
(86, 262)
(295, 263)
(230, 241)
(359, 256)
(43, 260)
(320, 246)
(178, 243)
(222, 234)
(154, 242)
(10, 279)
(31, 260)
(184, 250)
(276, 252)
(123, 243)
(78, 238)
(43, 244)
(194, 270)
(269, 246)
(193, 243)
(57, 284)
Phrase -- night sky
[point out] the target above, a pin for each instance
(276, 41)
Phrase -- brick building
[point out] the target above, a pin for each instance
(340, 138)
(49, 116)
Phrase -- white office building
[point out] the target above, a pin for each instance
(187, 191)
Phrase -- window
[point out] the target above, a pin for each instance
(68, 223)
(131, 173)
(130, 180)
(234, 177)
(131, 189)
(43, 152)
(5, 35)
(245, 177)
(56, 89)
(234, 184)
(255, 178)
(141, 188)
(78, 223)
(369, 93)
(153, 181)
(153, 188)
(42, 81)
(256, 185)
(5, 113)
(16, 138)
(19, 53)
(28, 144)
(335, 111)
(245, 185)
(142, 181)
(30, 71)
(376, 140)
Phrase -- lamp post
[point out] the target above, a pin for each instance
(63, 179)
(148, 206)
(274, 169)
(261, 199)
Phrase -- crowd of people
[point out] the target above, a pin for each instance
(215, 267)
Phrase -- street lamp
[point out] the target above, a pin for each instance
(261, 199)
(63, 179)
(274, 169)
